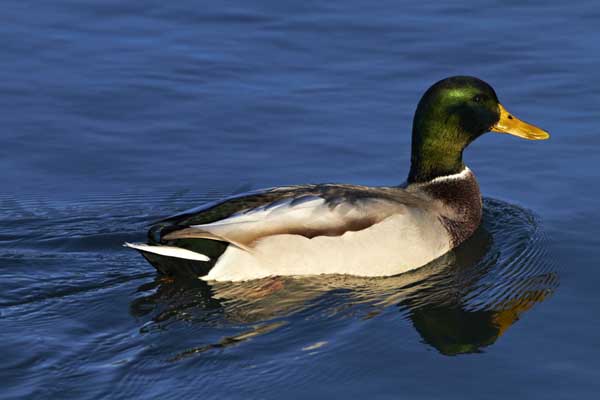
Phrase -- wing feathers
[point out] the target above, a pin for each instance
(309, 216)
(198, 233)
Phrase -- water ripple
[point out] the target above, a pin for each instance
(65, 274)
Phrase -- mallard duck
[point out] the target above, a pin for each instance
(349, 229)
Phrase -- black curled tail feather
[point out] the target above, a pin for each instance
(157, 232)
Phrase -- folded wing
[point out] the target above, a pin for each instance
(329, 211)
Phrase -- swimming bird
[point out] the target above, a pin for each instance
(349, 229)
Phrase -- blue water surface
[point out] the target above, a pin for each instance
(114, 114)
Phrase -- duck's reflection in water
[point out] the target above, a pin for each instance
(463, 310)
(459, 303)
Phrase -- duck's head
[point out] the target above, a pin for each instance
(451, 114)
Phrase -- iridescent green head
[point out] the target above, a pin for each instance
(451, 114)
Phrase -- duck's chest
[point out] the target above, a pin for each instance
(459, 201)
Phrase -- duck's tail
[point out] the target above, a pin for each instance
(188, 257)
(181, 257)
(168, 251)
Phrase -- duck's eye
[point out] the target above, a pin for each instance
(478, 98)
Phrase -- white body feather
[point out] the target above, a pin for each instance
(168, 251)
(397, 244)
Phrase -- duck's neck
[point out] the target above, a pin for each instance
(438, 142)
(431, 164)
(433, 154)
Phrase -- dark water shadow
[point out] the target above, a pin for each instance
(460, 303)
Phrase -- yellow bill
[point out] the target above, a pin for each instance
(512, 125)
